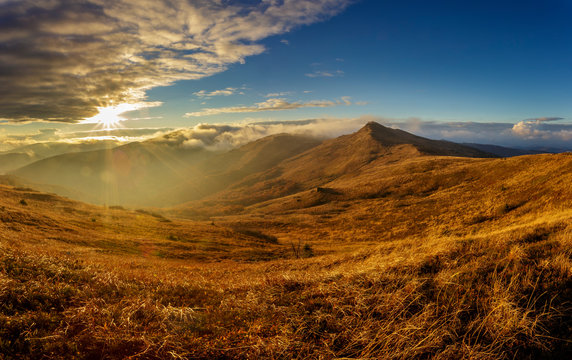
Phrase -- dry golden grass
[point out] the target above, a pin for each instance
(440, 258)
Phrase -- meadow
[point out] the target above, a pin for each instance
(473, 266)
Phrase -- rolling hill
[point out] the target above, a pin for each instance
(14, 160)
(158, 173)
(32, 218)
(405, 252)
(130, 174)
(343, 156)
(25, 155)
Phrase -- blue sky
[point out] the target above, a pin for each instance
(435, 61)
(445, 60)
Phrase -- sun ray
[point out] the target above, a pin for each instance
(111, 116)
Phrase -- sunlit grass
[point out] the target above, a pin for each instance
(413, 265)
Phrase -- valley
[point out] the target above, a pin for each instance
(373, 245)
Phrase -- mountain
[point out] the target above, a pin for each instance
(158, 173)
(389, 137)
(11, 161)
(402, 254)
(220, 170)
(344, 156)
(21, 183)
(129, 174)
(48, 149)
(25, 155)
(504, 151)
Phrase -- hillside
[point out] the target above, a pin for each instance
(154, 173)
(429, 257)
(42, 219)
(221, 170)
(25, 155)
(12, 161)
(342, 156)
(129, 174)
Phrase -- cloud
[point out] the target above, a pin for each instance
(320, 73)
(545, 119)
(227, 136)
(275, 104)
(78, 137)
(134, 134)
(223, 92)
(531, 133)
(39, 136)
(542, 129)
(285, 42)
(217, 137)
(62, 59)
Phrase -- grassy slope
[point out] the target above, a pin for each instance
(47, 220)
(155, 173)
(427, 258)
(374, 144)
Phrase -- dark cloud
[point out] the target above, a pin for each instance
(545, 119)
(61, 59)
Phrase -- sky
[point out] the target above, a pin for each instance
(469, 71)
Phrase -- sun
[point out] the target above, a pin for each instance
(111, 116)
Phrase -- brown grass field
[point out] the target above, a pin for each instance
(423, 258)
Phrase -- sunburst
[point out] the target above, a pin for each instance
(111, 116)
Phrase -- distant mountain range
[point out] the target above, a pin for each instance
(161, 174)
(503, 151)
(155, 173)
(24, 155)
(342, 156)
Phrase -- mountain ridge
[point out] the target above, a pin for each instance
(334, 158)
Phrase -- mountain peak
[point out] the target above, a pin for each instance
(372, 125)
(389, 137)
(376, 128)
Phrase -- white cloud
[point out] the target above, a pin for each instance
(531, 133)
(78, 137)
(275, 104)
(541, 128)
(321, 73)
(62, 59)
(223, 92)
(227, 136)
(218, 137)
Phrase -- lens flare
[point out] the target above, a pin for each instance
(111, 116)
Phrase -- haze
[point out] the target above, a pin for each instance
(316, 179)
